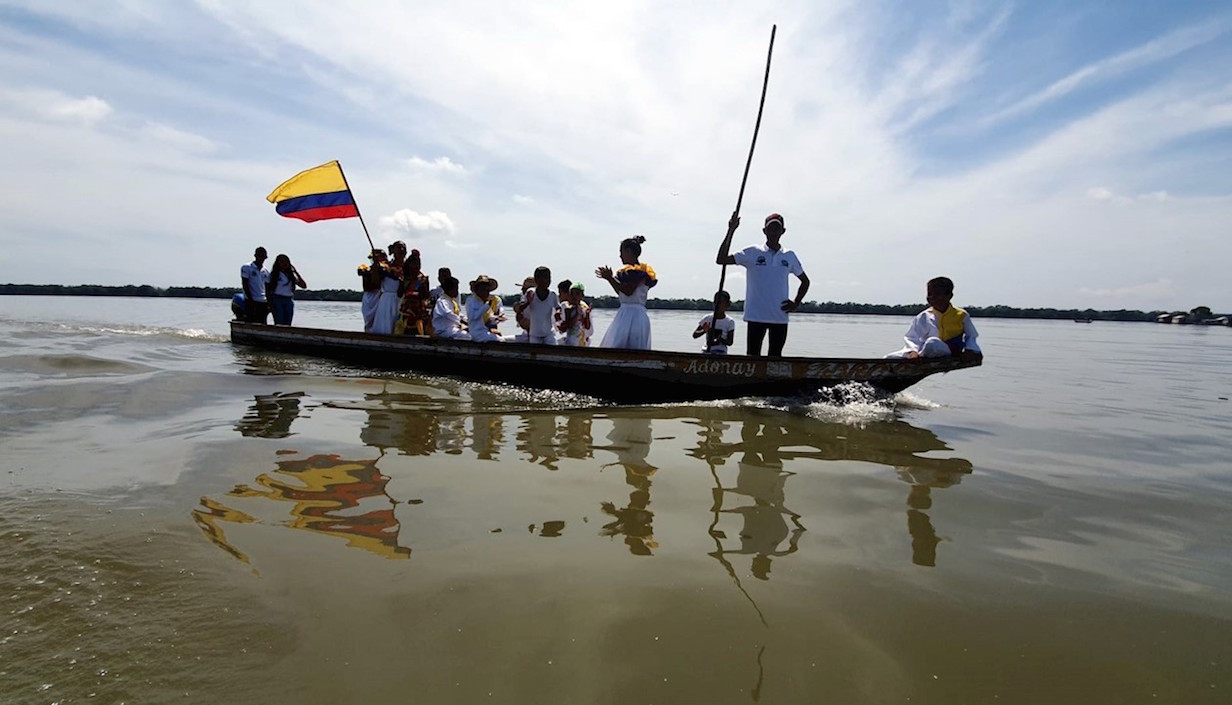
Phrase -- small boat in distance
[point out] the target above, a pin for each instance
(628, 376)
(1082, 320)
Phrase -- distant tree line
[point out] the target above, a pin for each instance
(602, 302)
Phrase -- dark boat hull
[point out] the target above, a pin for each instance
(629, 376)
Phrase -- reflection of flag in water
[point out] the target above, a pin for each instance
(319, 193)
(325, 492)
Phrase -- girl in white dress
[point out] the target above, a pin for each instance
(632, 283)
(576, 323)
(386, 312)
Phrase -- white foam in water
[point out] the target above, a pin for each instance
(907, 400)
(851, 403)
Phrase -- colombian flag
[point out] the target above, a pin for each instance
(319, 193)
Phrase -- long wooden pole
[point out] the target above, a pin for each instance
(714, 334)
(361, 215)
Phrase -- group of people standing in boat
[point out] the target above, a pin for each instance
(399, 299)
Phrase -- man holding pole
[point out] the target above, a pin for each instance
(766, 305)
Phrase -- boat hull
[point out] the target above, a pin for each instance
(627, 376)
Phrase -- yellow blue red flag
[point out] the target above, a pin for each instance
(319, 193)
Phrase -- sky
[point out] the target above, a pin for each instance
(1041, 154)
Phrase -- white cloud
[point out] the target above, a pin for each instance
(1151, 52)
(409, 221)
(605, 114)
(440, 164)
(178, 139)
(58, 106)
(1107, 195)
(1161, 290)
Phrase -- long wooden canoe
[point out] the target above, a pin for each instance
(628, 376)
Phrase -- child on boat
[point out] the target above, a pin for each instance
(447, 314)
(519, 312)
(630, 328)
(575, 322)
(724, 327)
(483, 311)
(539, 306)
(941, 329)
(558, 316)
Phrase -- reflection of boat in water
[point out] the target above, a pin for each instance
(752, 455)
(640, 376)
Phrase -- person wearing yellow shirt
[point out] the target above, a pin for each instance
(447, 314)
(942, 329)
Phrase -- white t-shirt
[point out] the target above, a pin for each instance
(766, 282)
(540, 313)
(725, 325)
(283, 287)
(255, 279)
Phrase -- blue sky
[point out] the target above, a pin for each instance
(1041, 154)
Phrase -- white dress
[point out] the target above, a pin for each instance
(631, 326)
(367, 307)
(386, 314)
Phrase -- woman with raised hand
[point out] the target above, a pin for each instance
(282, 282)
(632, 283)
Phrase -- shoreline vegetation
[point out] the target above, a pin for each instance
(602, 302)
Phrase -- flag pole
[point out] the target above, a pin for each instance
(361, 215)
(713, 335)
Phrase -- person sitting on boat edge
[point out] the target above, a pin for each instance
(447, 314)
(284, 278)
(237, 306)
(724, 327)
(940, 330)
(540, 305)
(370, 276)
(632, 283)
(766, 306)
(483, 311)
(575, 323)
(253, 279)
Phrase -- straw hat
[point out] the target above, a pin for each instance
(484, 280)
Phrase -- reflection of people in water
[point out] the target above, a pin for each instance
(760, 477)
(399, 420)
(325, 492)
(487, 434)
(537, 438)
(630, 441)
(924, 538)
(270, 416)
(575, 438)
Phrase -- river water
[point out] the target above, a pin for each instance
(186, 521)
